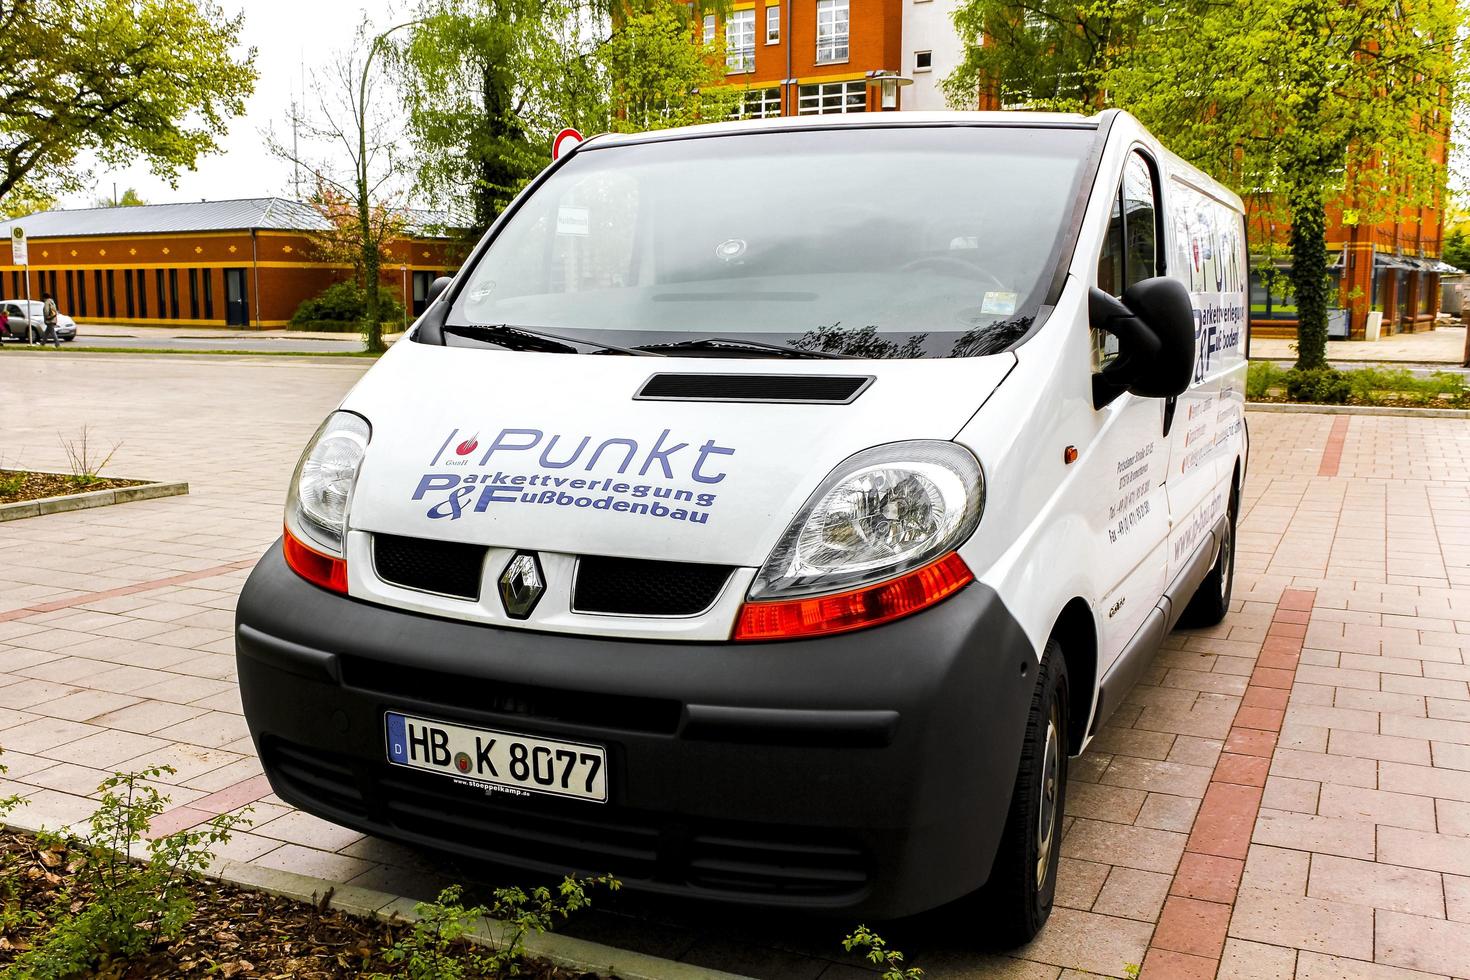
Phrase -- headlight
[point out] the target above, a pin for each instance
(879, 514)
(321, 487)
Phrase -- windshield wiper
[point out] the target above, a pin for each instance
(725, 343)
(515, 337)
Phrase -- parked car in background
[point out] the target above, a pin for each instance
(66, 327)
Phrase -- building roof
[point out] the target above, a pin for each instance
(242, 214)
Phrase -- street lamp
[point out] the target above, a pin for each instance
(888, 83)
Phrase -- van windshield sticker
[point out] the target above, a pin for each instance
(573, 221)
(999, 304)
(668, 479)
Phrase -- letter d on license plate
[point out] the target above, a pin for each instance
(498, 759)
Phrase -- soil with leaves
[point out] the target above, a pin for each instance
(19, 485)
(232, 933)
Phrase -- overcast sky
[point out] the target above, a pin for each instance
(288, 34)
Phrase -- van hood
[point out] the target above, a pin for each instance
(553, 452)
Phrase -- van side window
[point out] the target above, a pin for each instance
(1131, 247)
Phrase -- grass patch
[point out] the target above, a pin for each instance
(1394, 387)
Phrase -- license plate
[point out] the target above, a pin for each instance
(498, 761)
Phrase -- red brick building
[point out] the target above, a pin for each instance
(804, 57)
(243, 263)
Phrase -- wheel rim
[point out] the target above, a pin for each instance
(1046, 816)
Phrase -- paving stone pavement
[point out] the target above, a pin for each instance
(1284, 795)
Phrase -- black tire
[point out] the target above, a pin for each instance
(1211, 600)
(1017, 899)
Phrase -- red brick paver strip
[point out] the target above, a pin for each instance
(87, 598)
(1332, 451)
(1196, 915)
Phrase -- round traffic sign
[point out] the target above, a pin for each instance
(565, 140)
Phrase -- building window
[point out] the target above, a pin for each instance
(193, 294)
(773, 24)
(1271, 294)
(758, 103)
(128, 292)
(142, 294)
(829, 97)
(923, 61)
(71, 289)
(740, 41)
(173, 294)
(831, 31)
(162, 303)
(208, 294)
(111, 297)
(81, 293)
(97, 288)
(709, 28)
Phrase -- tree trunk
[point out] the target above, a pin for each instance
(1309, 278)
(372, 326)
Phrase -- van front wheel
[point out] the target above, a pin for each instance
(1017, 899)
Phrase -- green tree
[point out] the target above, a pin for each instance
(130, 199)
(1041, 54)
(25, 198)
(121, 79)
(1457, 250)
(353, 154)
(657, 77)
(488, 84)
(1298, 102)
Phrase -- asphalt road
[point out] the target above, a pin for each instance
(201, 342)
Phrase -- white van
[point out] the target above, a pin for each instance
(767, 510)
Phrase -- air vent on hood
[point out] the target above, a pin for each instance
(822, 389)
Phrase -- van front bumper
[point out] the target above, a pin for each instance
(868, 773)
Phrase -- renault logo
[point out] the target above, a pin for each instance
(521, 584)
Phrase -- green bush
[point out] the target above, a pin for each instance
(345, 302)
(1260, 378)
(115, 907)
(1323, 386)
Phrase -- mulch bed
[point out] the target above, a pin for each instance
(34, 486)
(234, 933)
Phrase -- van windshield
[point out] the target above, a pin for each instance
(881, 242)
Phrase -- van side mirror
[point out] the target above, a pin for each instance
(1154, 324)
(435, 289)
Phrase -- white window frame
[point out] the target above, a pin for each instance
(758, 103)
(826, 98)
(929, 67)
(833, 31)
(773, 25)
(740, 41)
(709, 29)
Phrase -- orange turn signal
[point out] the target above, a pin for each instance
(327, 571)
(869, 606)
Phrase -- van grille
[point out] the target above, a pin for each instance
(733, 859)
(829, 389)
(445, 567)
(637, 587)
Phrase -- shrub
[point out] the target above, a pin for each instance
(115, 907)
(1324, 386)
(875, 949)
(428, 952)
(1260, 378)
(345, 302)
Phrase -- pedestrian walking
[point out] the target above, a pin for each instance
(4, 325)
(49, 313)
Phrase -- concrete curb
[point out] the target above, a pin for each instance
(368, 903)
(92, 498)
(1290, 408)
